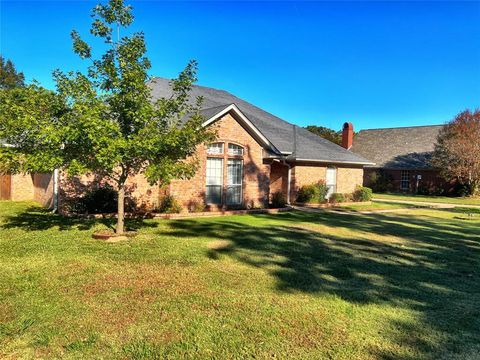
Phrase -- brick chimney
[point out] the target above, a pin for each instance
(347, 135)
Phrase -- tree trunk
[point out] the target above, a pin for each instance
(120, 210)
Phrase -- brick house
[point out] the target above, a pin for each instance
(255, 155)
(402, 155)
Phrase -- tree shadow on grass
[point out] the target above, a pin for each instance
(38, 219)
(432, 267)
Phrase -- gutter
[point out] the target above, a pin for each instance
(336, 161)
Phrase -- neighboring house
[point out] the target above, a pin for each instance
(19, 187)
(402, 157)
(255, 155)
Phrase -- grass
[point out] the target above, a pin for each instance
(432, 199)
(375, 205)
(291, 285)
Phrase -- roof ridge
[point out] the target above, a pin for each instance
(402, 127)
(232, 95)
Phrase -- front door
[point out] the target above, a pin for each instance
(331, 181)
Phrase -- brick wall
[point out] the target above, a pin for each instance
(255, 173)
(278, 178)
(310, 173)
(348, 178)
(43, 189)
(137, 189)
(306, 174)
(431, 180)
(22, 187)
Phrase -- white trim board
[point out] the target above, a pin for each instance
(246, 122)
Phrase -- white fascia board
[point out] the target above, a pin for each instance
(245, 120)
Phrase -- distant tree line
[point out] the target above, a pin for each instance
(9, 77)
(326, 133)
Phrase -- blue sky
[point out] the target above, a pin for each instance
(376, 64)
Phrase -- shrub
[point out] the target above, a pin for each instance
(170, 205)
(100, 200)
(306, 193)
(313, 193)
(278, 200)
(337, 198)
(348, 197)
(322, 191)
(381, 181)
(462, 190)
(430, 190)
(362, 193)
(196, 206)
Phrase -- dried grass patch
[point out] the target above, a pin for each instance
(219, 244)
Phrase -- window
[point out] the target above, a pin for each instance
(331, 181)
(215, 148)
(235, 149)
(405, 180)
(234, 181)
(213, 194)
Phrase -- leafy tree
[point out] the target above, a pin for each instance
(105, 121)
(457, 152)
(326, 133)
(9, 77)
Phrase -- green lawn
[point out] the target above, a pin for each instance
(291, 285)
(375, 206)
(432, 199)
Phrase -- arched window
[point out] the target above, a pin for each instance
(215, 148)
(234, 149)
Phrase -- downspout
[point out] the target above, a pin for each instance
(55, 190)
(289, 180)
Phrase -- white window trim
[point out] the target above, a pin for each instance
(237, 185)
(407, 180)
(216, 153)
(221, 181)
(239, 147)
(232, 107)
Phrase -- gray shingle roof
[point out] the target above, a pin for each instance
(398, 148)
(279, 132)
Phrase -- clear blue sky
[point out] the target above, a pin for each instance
(376, 64)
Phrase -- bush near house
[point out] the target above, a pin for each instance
(278, 200)
(362, 193)
(337, 198)
(196, 206)
(99, 200)
(169, 205)
(313, 193)
(381, 181)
